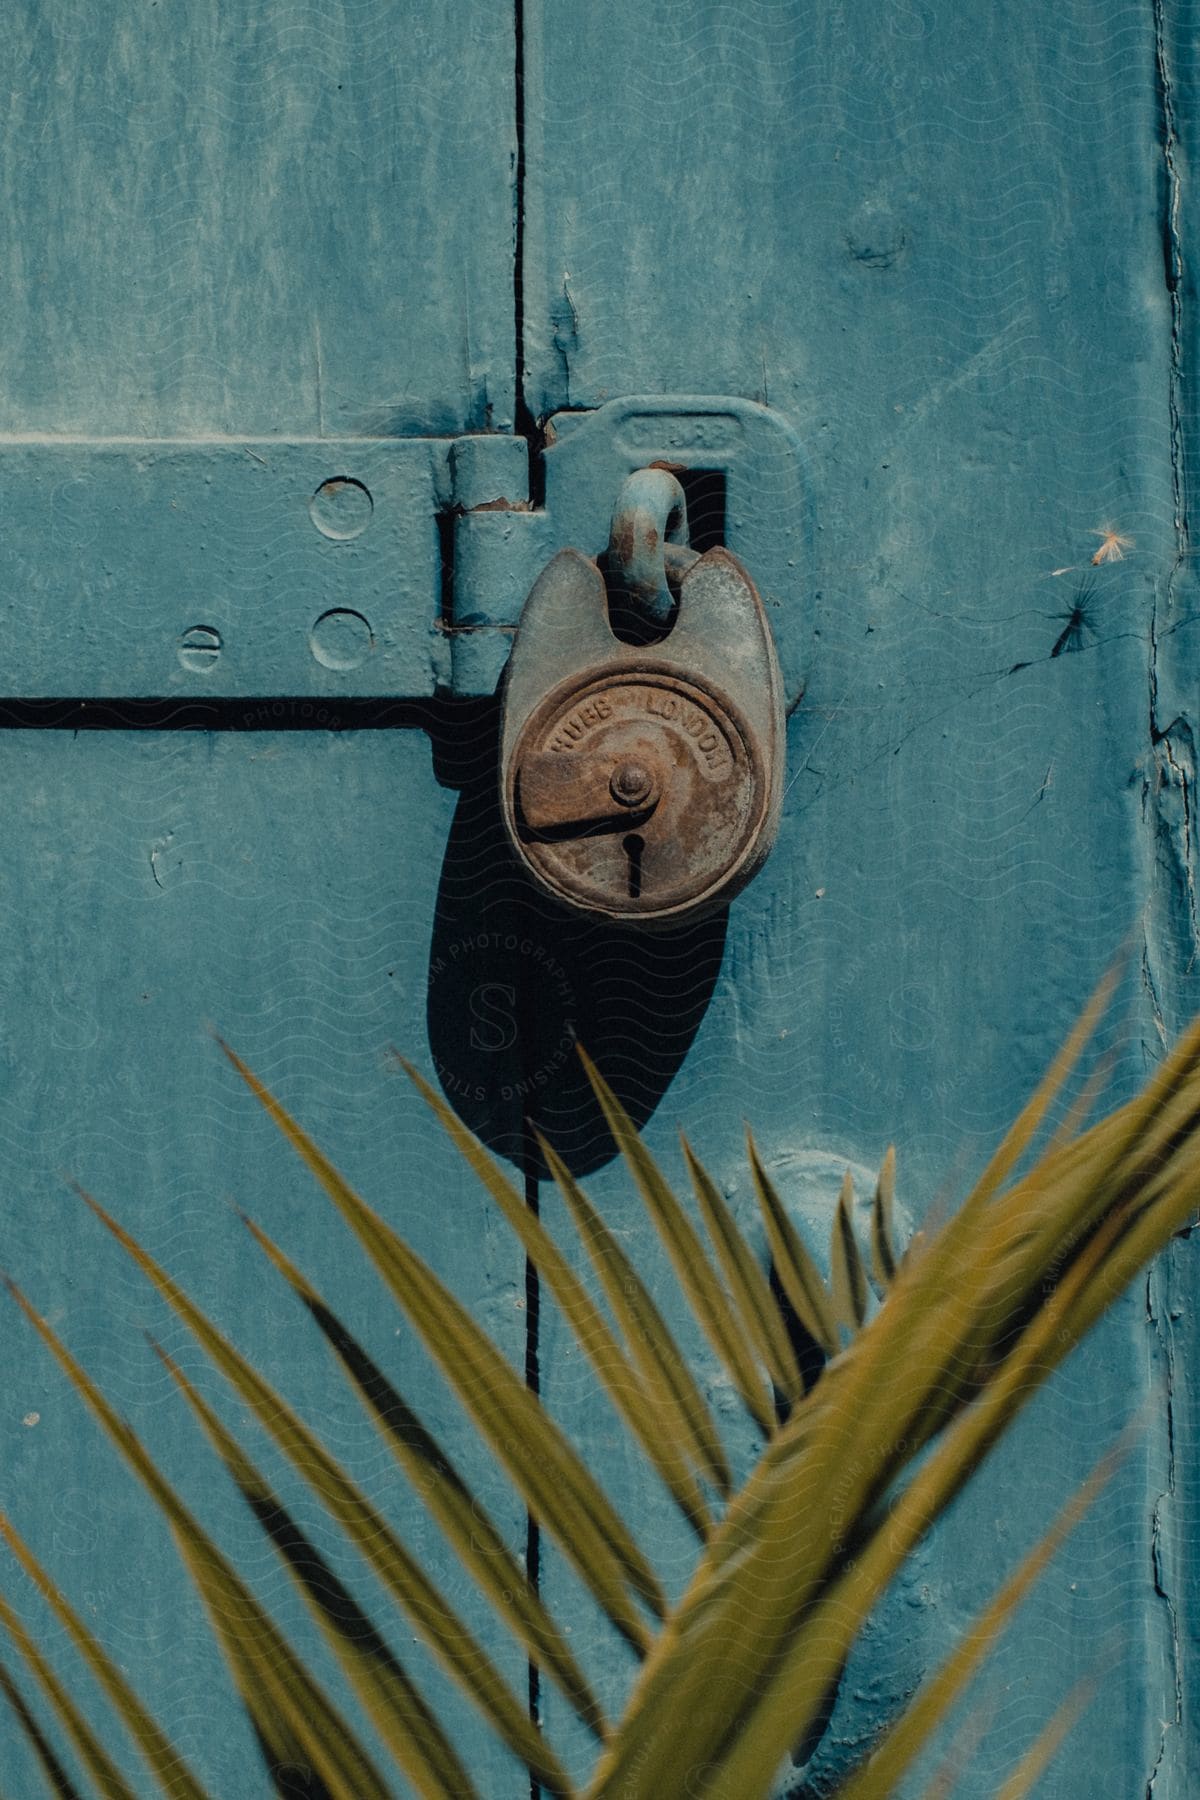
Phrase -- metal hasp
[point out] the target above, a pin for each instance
(641, 749)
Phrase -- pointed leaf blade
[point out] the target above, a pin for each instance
(90, 1751)
(590, 1329)
(545, 1467)
(899, 1748)
(364, 1525)
(390, 1700)
(695, 1273)
(461, 1516)
(786, 1657)
(57, 1779)
(1022, 1131)
(289, 1710)
(1045, 1747)
(170, 1770)
(746, 1281)
(685, 1422)
(798, 1273)
(883, 1238)
(849, 1276)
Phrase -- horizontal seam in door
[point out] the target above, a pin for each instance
(261, 713)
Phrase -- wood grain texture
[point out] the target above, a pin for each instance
(280, 887)
(232, 238)
(278, 219)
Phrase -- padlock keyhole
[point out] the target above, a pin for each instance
(634, 847)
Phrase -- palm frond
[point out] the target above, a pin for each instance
(712, 1307)
(391, 1702)
(591, 1331)
(90, 1751)
(748, 1285)
(57, 1779)
(547, 1470)
(1048, 1743)
(293, 1717)
(883, 1226)
(845, 1260)
(798, 1274)
(900, 1746)
(685, 1421)
(168, 1767)
(903, 1401)
(860, 1432)
(364, 1525)
(463, 1519)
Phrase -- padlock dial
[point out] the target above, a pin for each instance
(636, 794)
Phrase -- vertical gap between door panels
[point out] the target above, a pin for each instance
(526, 426)
(445, 719)
(533, 1381)
(531, 1173)
(523, 420)
(525, 423)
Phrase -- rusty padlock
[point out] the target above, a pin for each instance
(642, 780)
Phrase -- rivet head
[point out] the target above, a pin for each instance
(200, 649)
(341, 508)
(630, 784)
(341, 639)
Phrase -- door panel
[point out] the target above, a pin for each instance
(912, 236)
(280, 886)
(257, 220)
(243, 246)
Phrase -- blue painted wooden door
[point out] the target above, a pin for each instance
(259, 334)
(950, 245)
(258, 278)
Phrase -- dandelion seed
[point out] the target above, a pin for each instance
(1112, 547)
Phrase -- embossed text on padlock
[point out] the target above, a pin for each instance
(642, 782)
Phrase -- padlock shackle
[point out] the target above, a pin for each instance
(648, 541)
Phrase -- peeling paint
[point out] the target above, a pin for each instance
(564, 321)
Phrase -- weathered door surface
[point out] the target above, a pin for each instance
(287, 297)
(249, 251)
(949, 244)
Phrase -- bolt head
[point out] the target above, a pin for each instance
(631, 784)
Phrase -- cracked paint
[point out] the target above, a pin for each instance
(1161, 1532)
(1173, 922)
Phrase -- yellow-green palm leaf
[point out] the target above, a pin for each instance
(897, 1406)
